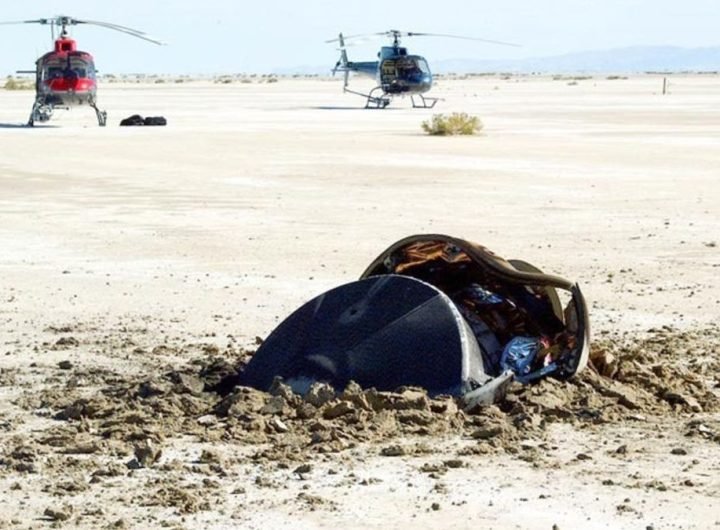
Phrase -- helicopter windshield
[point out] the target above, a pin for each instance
(53, 69)
(72, 67)
(412, 69)
(80, 67)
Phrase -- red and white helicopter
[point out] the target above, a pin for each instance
(66, 76)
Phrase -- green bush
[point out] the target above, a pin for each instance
(457, 123)
(17, 84)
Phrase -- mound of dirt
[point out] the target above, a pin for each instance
(99, 427)
(653, 376)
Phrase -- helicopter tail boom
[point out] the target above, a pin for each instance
(346, 66)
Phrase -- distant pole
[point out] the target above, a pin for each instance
(665, 85)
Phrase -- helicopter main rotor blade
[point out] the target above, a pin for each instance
(397, 34)
(122, 29)
(489, 41)
(57, 21)
(63, 20)
(38, 21)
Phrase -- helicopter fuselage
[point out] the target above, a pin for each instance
(406, 74)
(66, 76)
(396, 72)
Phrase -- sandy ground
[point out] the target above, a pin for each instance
(132, 252)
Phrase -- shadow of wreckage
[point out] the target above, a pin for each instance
(435, 312)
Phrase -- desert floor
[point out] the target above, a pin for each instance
(140, 258)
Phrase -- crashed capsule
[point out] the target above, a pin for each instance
(435, 312)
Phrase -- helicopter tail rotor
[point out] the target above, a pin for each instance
(343, 51)
(343, 63)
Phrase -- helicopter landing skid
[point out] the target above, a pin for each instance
(424, 103)
(373, 102)
(101, 114)
(41, 112)
(377, 102)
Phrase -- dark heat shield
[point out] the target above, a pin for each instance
(383, 332)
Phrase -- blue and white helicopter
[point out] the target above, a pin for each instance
(397, 72)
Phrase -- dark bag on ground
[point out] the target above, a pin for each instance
(155, 120)
(137, 120)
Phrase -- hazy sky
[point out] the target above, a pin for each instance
(226, 36)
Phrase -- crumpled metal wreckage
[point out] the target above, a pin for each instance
(435, 312)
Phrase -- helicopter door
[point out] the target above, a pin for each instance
(388, 72)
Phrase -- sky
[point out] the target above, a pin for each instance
(231, 36)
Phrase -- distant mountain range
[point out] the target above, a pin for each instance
(637, 59)
(622, 60)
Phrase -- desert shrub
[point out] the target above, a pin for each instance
(17, 84)
(457, 123)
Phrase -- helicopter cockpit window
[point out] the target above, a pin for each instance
(423, 66)
(54, 72)
(411, 68)
(81, 68)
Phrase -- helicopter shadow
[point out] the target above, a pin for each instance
(350, 108)
(25, 126)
